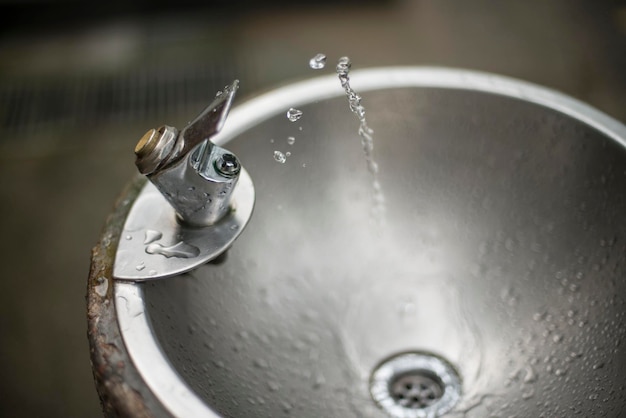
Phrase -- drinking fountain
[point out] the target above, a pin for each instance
(494, 286)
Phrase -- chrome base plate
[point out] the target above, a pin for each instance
(155, 245)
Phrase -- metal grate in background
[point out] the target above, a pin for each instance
(29, 105)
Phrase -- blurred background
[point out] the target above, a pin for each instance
(80, 82)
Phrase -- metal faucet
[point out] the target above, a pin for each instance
(201, 201)
(195, 176)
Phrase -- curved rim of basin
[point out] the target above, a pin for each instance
(132, 373)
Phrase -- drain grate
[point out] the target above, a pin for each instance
(419, 389)
(415, 385)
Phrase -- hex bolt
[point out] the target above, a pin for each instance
(227, 165)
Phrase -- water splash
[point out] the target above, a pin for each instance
(291, 140)
(367, 136)
(294, 114)
(318, 62)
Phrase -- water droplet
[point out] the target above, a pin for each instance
(274, 387)
(140, 266)
(180, 249)
(271, 140)
(299, 345)
(529, 394)
(129, 237)
(152, 272)
(343, 66)
(280, 157)
(318, 62)
(531, 376)
(294, 114)
(319, 381)
(151, 236)
(260, 363)
(291, 140)
(288, 154)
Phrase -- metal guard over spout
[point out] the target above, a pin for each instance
(198, 202)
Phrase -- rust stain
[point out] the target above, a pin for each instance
(121, 391)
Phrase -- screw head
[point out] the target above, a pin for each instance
(227, 165)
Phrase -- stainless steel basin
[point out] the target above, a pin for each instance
(502, 253)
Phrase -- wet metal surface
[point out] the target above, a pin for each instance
(503, 253)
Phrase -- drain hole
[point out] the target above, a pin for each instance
(418, 389)
(415, 385)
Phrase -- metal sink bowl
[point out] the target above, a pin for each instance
(501, 260)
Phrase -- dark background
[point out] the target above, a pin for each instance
(81, 82)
